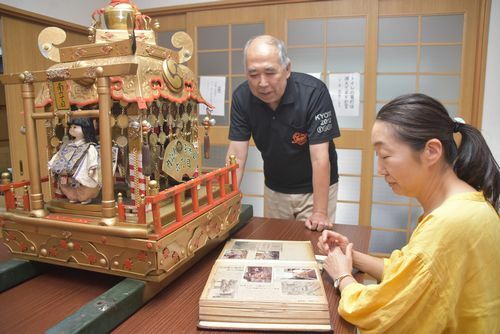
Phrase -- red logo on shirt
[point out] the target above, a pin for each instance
(299, 138)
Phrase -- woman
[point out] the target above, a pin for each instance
(76, 163)
(447, 278)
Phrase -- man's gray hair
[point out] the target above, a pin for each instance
(270, 40)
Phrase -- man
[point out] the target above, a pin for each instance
(292, 121)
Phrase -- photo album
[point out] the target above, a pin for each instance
(266, 285)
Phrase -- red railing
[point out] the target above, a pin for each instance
(8, 190)
(221, 175)
(174, 194)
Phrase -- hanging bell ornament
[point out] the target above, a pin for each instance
(208, 121)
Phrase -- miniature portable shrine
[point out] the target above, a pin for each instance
(151, 209)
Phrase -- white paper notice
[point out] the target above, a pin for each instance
(344, 90)
(213, 89)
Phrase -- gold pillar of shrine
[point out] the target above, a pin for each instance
(36, 195)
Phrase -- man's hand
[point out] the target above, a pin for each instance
(318, 222)
(331, 239)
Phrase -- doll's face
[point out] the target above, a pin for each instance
(76, 131)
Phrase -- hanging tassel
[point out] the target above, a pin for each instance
(206, 145)
(146, 159)
(208, 121)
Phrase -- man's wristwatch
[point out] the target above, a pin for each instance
(336, 282)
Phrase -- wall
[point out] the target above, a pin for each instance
(491, 110)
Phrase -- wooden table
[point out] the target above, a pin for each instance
(42, 302)
(175, 309)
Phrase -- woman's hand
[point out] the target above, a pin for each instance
(331, 239)
(338, 262)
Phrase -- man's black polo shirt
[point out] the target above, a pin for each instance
(304, 117)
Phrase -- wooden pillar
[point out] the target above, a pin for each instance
(108, 197)
(36, 196)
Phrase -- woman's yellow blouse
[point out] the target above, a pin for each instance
(446, 280)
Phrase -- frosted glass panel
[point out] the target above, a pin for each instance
(398, 30)
(254, 159)
(217, 156)
(348, 59)
(257, 203)
(347, 213)
(349, 161)
(391, 86)
(445, 28)
(305, 32)
(237, 62)
(308, 60)
(346, 31)
(252, 183)
(213, 38)
(383, 193)
(349, 187)
(397, 59)
(164, 39)
(241, 33)
(440, 58)
(441, 87)
(389, 216)
(213, 63)
(452, 109)
(236, 81)
(386, 242)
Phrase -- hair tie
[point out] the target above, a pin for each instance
(458, 122)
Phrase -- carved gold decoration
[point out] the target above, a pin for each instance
(47, 39)
(58, 74)
(151, 50)
(146, 37)
(171, 75)
(143, 258)
(27, 77)
(183, 41)
(99, 50)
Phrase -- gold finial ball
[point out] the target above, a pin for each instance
(99, 71)
(119, 16)
(153, 187)
(5, 176)
(156, 25)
